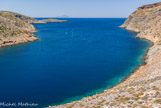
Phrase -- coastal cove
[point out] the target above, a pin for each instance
(71, 60)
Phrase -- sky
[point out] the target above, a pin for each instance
(74, 8)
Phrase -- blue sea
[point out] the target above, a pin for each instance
(71, 60)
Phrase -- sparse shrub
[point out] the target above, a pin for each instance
(135, 105)
(157, 93)
(158, 101)
(136, 98)
(81, 105)
(155, 88)
(113, 104)
(143, 106)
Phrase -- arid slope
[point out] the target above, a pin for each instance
(16, 28)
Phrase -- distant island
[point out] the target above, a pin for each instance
(142, 89)
(62, 16)
(16, 28)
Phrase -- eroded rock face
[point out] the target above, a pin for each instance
(143, 88)
(147, 21)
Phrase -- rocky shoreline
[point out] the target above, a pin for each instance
(16, 28)
(142, 89)
(53, 20)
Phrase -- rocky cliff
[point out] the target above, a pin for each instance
(147, 20)
(16, 28)
(143, 88)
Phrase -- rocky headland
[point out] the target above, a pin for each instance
(54, 20)
(142, 89)
(16, 28)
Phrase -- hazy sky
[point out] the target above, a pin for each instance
(73, 8)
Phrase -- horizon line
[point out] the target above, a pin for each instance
(79, 17)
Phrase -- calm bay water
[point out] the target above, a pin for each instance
(71, 60)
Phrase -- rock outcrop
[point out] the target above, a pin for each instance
(142, 89)
(147, 21)
(16, 28)
(53, 20)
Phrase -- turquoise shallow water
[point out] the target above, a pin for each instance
(71, 60)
